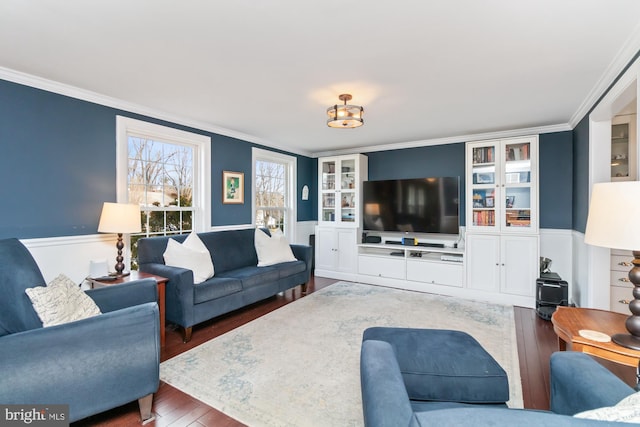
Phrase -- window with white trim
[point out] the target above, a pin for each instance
(167, 173)
(274, 201)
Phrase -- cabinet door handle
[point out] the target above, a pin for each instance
(624, 279)
(624, 301)
(625, 264)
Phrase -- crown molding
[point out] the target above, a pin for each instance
(623, 58)
(450, 140)
(107, 101)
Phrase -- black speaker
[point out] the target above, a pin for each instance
(372, 239)
(551, 291)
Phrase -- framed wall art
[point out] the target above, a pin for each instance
(232, 187)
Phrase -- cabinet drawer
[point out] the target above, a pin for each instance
(620, 278)
(621, 263)
(620, 298)
(391, 267)
(435, 272)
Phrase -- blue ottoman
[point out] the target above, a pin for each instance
(444, 366)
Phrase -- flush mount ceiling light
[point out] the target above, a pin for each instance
(345, 116)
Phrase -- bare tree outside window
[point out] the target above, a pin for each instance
(270, 194)
(160, 180)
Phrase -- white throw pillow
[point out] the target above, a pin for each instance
(61, 301)
(272, 250)
(192, 255)
(626, 411)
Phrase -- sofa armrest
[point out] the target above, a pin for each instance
(579, 383)
(116, 297)
(385, 401)
(303, 253)
(179, 292)
(92, 365)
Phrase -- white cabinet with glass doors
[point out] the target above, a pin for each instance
(623, 148)
(502, 186)
(340, 189)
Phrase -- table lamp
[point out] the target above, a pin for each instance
(614, 222)
(120, 218)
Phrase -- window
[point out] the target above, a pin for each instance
(165, 171)
(274, 202)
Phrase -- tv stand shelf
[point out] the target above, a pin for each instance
(433, 265)
(406, 248)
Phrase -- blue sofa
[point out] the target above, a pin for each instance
(578, 383)
(92, 365)
(237, 282)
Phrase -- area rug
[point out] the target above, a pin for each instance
(300, 365)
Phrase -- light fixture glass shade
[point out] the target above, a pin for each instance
(120, 218)
(614, 212)
(345, 116)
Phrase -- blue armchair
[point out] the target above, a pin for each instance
(578, 383)
(93, 364)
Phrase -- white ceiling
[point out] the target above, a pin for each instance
(267, 70)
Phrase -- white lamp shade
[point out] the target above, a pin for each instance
(120, 218)
(614, 216)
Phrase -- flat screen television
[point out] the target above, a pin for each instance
(425, 205)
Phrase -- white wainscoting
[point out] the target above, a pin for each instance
(303, 230)
(557, 245)
(591, 270)
(71, 255)
(578, 293)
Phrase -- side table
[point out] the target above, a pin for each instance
(137, 275)
(568, 321)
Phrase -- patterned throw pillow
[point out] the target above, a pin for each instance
(627, 411)
(61, 301)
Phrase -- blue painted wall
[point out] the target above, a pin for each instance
(580, 179)
(556, 180)
(58, 165)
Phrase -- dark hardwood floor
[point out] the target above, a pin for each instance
(535, 339)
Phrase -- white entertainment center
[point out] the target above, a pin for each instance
(494, 259)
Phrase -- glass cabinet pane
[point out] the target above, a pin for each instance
(328, 207)
(348, 206)
(517, 206)
(620, 150)
(484, 212)
(329, 175)
(347, 174)
(484, 179)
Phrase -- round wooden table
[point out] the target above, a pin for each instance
(568, 321)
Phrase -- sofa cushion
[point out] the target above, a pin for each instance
(214, 288)
(230, 249)
(184, 255)
(254, 275)
(272, 249)
(431, 373)
(18, 271)
(287, 269)
(61, 301)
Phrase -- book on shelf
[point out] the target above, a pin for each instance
(520, 152)
(484, 218)
(483, 155)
